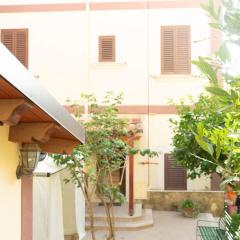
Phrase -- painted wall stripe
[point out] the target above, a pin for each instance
(146, 5)
(94, 6)
(140, 109)
(42, 8)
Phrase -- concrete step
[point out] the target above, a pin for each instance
(145, 221)
(120, 212)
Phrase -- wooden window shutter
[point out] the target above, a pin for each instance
(107, 49)
(7, 38)
(167, 49)
(174, 175)
(16, 40)
(176, 49)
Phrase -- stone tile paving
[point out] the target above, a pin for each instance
(167, 226)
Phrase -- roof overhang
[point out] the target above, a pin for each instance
(33, 114)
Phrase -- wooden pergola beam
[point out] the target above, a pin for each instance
(32, 132)
(11, 110)
(42, 134)
(58, 145)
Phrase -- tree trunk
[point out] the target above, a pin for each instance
(91, 220)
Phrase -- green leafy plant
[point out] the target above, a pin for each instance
(224, 140)
(189, 208)
(185, 144)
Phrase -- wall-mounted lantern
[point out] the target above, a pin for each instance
(30, 155)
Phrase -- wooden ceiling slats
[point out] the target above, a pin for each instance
(8, 90)
(33, 115)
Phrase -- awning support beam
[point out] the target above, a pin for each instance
(58, 145)
(11, 110)
(41, 134)
(32, 132)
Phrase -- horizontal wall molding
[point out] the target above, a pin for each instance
(58, 7)
(145, 109)
(94, 6)
(146, 5)
(140, 109)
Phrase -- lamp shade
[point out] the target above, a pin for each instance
(30, 155)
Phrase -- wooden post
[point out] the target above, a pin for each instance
(27, 207)
(131, 183)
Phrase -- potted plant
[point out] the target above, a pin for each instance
(189, 208)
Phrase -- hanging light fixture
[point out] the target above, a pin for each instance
(30, 155)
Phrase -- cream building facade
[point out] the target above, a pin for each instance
(63, 54)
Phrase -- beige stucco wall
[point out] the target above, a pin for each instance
(10, 187)
(63, 54)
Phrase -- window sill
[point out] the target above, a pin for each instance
(183, 191)
(108, 64)
(182, 77)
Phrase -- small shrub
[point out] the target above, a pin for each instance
(189, 208)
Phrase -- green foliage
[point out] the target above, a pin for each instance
(205, 113)
(224, 141)
(235, 224)
(189, 208)
(207, 136)
(207, 69)
(187, 204)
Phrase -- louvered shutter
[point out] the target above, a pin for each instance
(22, 46)
(182, 51)
(175, 175)
(16, 40)
(7, 38)
(106, 48)
(167, 49)
(176, 49)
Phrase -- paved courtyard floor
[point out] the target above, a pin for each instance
(167, 226)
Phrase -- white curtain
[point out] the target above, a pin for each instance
(47, 208)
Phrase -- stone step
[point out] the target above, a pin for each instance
(145, 222)
(120, 212)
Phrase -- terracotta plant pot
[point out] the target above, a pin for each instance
(190, 212)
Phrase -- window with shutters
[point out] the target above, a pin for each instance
(175, 175)
(176, 49)
(106, 49)
(16, 40)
